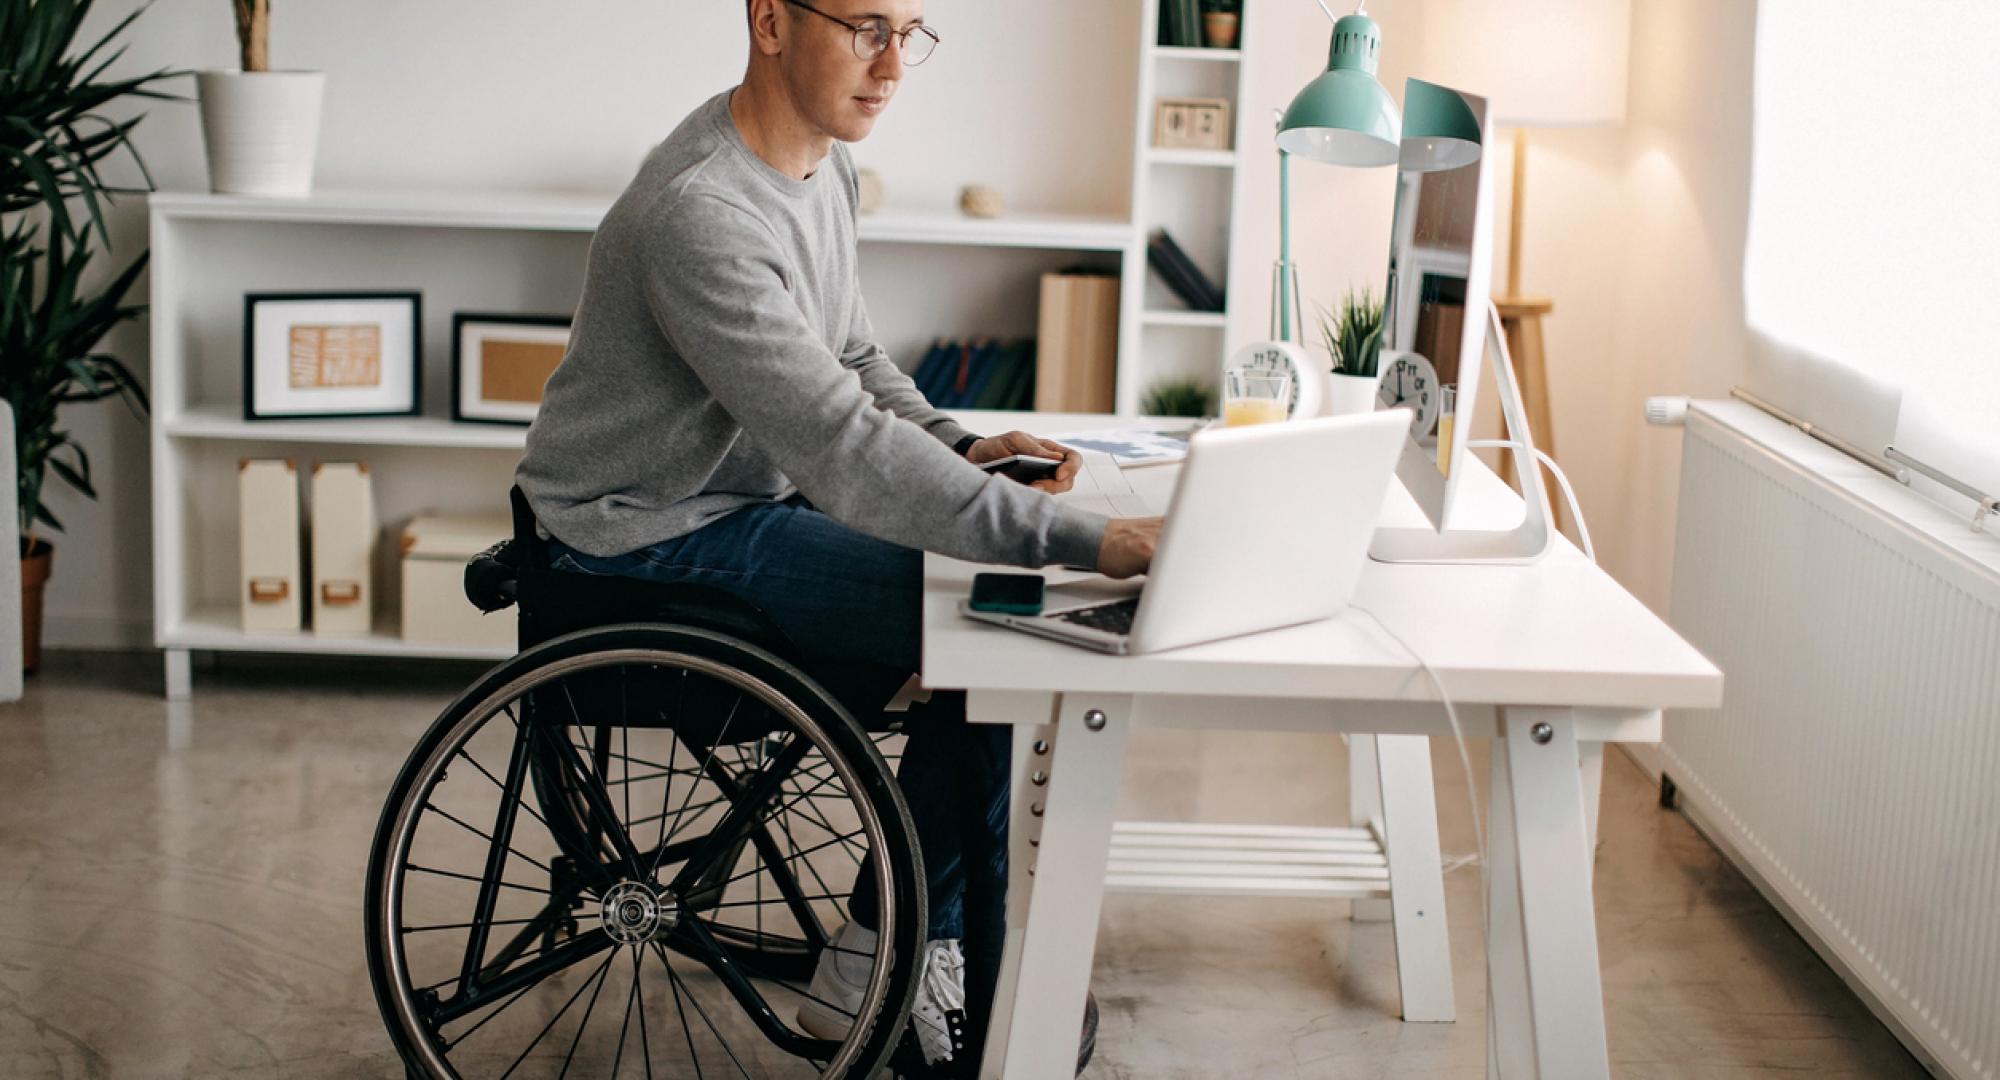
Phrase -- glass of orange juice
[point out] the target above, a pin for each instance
(1255, 397)
(1447, 415)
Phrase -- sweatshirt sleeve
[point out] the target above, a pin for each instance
(717, 282)
(892, 389)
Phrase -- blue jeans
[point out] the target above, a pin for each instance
(854, 607)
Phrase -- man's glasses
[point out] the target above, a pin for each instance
(872, 36)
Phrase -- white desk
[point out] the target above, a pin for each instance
(1545, 659)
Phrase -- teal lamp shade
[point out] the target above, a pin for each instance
(1345, 117)
(1440, 130)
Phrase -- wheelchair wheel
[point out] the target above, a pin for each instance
(624, 852)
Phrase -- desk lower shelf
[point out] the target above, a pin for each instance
(1247, 860)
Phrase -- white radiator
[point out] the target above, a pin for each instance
(1854, 771)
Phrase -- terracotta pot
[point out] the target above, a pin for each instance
(1219, 29)
(36, 566)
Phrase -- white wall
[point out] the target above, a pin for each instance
(1637, 233)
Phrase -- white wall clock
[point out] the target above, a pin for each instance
(1286, 358)
(1409, 380)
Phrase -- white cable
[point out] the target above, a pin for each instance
(1451, 712)
(1471, 791)
(1569, 495)
(1473, 797)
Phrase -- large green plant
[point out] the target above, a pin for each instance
(53, 137)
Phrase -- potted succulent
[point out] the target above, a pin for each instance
(1221, 20)
(261, 127)
(1179, 397)
(1353, 339)
(51, 317)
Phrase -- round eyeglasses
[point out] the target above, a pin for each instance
(872, 36)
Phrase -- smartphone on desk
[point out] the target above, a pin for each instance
(1007, 594)
(1023, 468)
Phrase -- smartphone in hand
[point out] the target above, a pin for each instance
(1024, 468)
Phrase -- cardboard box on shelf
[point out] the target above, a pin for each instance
(268, 523)
(435, 549)
(343, 549)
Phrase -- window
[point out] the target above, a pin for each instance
(1874, 237)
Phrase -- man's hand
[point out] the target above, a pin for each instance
(1127, 548)
(995, 447)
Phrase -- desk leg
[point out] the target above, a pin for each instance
(1046, 969)
(1034, 739)
(1591, 757)
(1416, 877)
(1546, 999)
(1364, 811)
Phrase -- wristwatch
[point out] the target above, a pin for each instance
(964, 445)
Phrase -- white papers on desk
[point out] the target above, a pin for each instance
(1132, 446)
(1102, 481)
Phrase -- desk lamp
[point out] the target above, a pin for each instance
(1342, 117)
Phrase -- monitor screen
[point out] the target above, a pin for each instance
(1434, 311)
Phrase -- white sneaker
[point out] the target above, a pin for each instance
(841, 980)
(839, 983)
(938, 1015)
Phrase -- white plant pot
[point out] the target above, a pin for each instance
(261, 129)
(1351, 395)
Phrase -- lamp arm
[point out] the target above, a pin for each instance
(1284, 245)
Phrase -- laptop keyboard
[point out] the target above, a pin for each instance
(1112, 618)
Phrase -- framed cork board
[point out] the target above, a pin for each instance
(331, 354)
(499, 364)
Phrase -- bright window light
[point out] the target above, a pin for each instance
(1874, 237)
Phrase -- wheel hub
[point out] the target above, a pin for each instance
(635, 913)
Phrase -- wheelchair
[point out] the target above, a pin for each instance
(625, 850)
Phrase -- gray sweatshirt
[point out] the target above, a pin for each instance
(721, 357)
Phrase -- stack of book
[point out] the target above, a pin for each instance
(1181, 274)
(1180, 23)
(979, 374)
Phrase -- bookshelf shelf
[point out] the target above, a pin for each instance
(1169, 52)
(527, 211)
(1195, 196)
(227, 424)
(1211, 320)
(1216, 159)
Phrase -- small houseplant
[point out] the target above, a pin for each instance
(260, 127)
(1353, 338)
(52, 139)
(1179, 397)
(1221, 21)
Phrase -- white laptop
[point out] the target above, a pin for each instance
(1270, 527)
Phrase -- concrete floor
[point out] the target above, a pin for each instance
(180, 893)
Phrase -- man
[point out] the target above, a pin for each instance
(724, 416)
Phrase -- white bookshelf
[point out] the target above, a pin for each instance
(1197, 196)
(503, 251)
(491, 251)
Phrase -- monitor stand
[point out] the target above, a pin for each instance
(1526, 542)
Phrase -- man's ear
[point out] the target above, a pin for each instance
(766, 20)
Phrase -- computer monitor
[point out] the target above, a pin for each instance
(1434, 312)
(1438, 326)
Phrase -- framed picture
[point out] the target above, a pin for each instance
(1191, 124)
(499, 364)
(331, 354)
